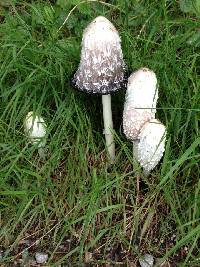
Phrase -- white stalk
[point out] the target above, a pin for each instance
(108, 126)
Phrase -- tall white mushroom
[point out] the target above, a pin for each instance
(151, 145)
(35, 129)
(101, 69)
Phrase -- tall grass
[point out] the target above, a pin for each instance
(74, 197)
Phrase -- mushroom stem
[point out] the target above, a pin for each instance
(108, 126)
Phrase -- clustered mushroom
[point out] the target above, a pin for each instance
(102, 72)
(140, 103)
(139, 123)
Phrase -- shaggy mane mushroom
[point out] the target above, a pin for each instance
(140, 102)
(151, 145)
(102, 69)
(139, 123)
(35, 129)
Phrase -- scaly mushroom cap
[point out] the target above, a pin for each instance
(150, 148)
(35, 129)
(140, 102)
(101, 69)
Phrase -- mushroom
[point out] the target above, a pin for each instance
(140, 102)
(35, 129)
(102, 69)
(149, 149)
(139, 123)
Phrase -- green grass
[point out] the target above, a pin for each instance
(74, 194)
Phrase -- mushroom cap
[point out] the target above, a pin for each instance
(151, 145)
(142, 89)
(35, 129)
(102, 68)
(140, 102)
